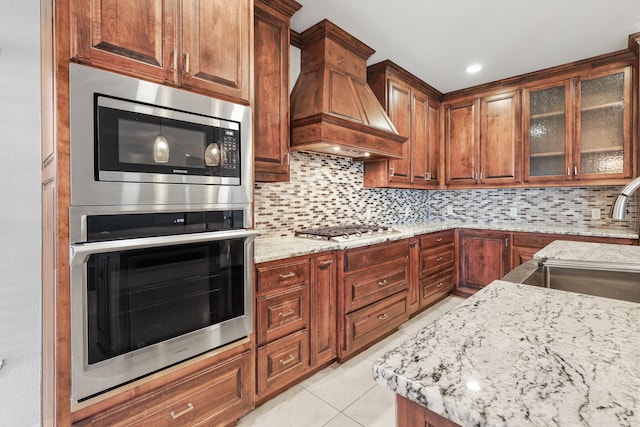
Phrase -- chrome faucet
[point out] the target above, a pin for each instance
(619, 209)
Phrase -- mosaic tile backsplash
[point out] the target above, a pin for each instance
(328, 190)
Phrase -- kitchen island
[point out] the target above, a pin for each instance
(518, 355)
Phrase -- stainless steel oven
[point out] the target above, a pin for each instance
(151, 289)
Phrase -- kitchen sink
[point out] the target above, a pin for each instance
(616, 283)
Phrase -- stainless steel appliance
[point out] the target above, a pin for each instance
(342, 233)
(139, 143)
(161, 246)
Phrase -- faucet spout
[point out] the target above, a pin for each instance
(619, 209)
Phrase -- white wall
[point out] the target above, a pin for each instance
(20, 230)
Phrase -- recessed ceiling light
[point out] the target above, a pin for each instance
(473, 68)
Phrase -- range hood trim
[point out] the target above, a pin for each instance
(333, 110)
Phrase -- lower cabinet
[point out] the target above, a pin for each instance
(215, 396)
(295, 320)
(373, 286)
(436, 266)
(484, 257)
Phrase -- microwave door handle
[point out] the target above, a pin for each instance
(78, 253)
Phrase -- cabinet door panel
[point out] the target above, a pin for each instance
(215, 47)
(500, 138)
(133, 37)
(461, 143)
(323, 310)
(420, 150)
(484, 257)
(400, 114)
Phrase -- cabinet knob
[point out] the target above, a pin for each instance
(287, 276)
(178, 414)
(383, 282)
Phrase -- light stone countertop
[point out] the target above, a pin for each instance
(518, 355)
(590, 253)
(274, 248)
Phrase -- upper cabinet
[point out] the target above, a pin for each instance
(414, 108)
(580, 129)
(271, 107)
(200, 45)
(483, 140)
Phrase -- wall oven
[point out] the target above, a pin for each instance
(160, 228)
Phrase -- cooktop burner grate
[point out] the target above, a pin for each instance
(344, 232)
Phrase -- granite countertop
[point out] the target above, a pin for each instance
(518, 355)
(591, 254)
(274, 248)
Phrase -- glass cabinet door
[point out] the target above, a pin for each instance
(602, 125)
(549, 132)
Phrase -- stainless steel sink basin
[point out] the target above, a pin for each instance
(609, 283)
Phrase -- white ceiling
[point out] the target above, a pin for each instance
(436, 40)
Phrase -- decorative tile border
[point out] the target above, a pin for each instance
(328, 190)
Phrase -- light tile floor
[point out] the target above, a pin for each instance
(343, 395)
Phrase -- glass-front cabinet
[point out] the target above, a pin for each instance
(579, 129)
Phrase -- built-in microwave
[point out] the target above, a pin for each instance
(134, 142)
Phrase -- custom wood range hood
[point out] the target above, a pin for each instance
(333, 110)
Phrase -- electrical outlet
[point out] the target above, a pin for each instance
(513, 212)
(407, 211)
(367, 214)
(596, 213)
(449, 210)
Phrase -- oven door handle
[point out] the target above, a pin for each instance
(78, 253)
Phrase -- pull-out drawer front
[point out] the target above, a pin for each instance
(282, 313)
(278, 276)
(433, 288)
(283, 360)
(370, 323)
(437, 239)
(434, 260)
(370, 286)
(221, 393)
(371, 257)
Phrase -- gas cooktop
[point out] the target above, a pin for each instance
(343, 233)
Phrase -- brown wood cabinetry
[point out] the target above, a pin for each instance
(203, 46)
(372, 294)
(483, 140)
(484, 257)
(436, 266)
(414, 108)
(295, 320)
(579, 129)
(216, 394)
(271, 83)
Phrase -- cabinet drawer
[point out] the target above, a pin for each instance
(221, 393)
(366, 325)
(434, 260)
(433, 288)
(282, 313)
(370, 286)
(433, 240)
(283, 361)
(371, 257)
(271, 277)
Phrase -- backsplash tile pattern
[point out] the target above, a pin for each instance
(328, 190)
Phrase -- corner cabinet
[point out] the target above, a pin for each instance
(483, 140)
(414, 108)
(580, 129)
(271, 83)
(200, 45)
(484, 257)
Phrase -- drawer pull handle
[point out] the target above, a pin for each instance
(178, 414)
(327, 262)
(383, 282)
(383, 316)
(440, 285)
(287, 360)
(439, 259)
(439, 239)
(287, 314)
(287, 276)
